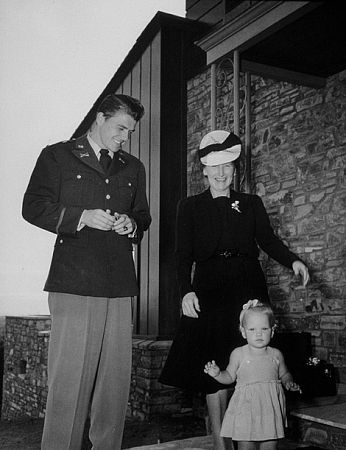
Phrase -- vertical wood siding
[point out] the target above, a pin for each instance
(155, 151)
(144, 83)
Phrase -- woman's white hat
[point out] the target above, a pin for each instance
(219, 147)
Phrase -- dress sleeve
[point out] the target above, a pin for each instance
(184, 245)
(267, 239)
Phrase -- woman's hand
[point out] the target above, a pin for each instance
(190, 305)
(300, 269)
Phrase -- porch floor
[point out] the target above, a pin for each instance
(320, 413)
(317, 424)
(203, 443)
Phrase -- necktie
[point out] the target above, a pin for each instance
(105, 159)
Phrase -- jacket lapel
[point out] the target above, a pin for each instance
(83, 151)
(209, 218)
(120, 161)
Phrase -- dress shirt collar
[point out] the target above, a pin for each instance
(97, 148)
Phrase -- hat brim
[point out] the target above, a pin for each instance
(222, 157)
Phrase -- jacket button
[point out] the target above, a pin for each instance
(130, 184)
(79, 177)
(61, 241)
(106, 180)
(108, 196)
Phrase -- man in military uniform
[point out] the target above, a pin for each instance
(92, 195)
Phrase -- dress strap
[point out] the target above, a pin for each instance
(244, 356)
(271, 353)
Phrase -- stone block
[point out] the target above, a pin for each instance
(334, 274)
(314, 301)
(298, 201)
(338, 359)
(303, 211)
(297, 306)
(333, 322)
(341, 341)
(328, 339)
(335, 305)
(310, 322)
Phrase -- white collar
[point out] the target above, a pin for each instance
(96, 147)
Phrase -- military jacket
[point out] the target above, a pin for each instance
(68, 179)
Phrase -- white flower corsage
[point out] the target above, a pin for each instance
(250, 304)
(313, 361)
(235, 205)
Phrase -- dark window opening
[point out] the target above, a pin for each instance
(22, 367)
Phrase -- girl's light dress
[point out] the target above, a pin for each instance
(257, 409)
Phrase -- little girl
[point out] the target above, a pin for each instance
(256, 414)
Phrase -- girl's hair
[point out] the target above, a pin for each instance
(259, 307)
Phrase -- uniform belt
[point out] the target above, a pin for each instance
(231, 254)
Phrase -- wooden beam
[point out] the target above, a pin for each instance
(213, 96)
(236, 107)
(252, 26)
(236, 93)
(247, 173)
(278, 73)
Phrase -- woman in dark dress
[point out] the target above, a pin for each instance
(219, 230)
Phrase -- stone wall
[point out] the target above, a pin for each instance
(25, 367)
(25, 374)
(299, 169)
(148, 397)
(2, 334)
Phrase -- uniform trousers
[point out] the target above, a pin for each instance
(89, 369)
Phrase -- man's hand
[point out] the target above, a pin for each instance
(123, 224)
(190, 305)
(300, 269)
(97, 218)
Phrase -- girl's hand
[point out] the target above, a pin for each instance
(212, 369)
(292, 386)
(190, 305)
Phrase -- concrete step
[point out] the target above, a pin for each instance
(205, 443)
(196, 443)
(320, 422)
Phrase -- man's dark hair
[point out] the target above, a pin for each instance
(113, 103)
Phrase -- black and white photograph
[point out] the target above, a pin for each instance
(173, 225)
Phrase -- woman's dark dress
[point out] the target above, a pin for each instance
(222, 285)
